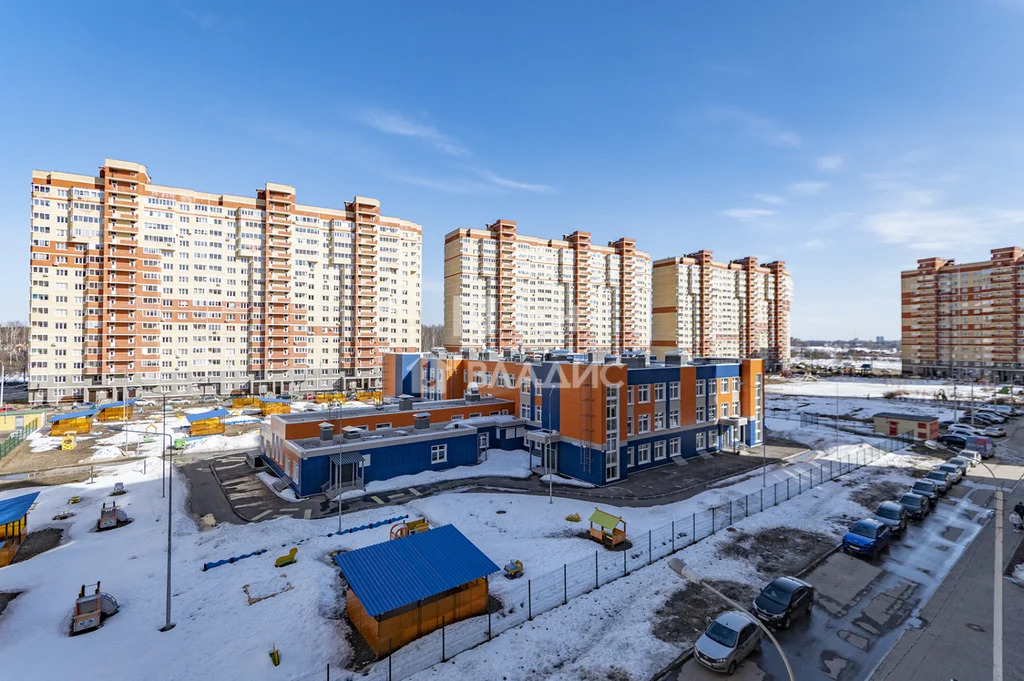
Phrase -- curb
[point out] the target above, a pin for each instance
(213, 471)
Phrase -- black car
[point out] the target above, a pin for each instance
(952, 441)
(783, 600)
(917, 506)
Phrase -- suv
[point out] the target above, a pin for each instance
(927, 488)
(892, 514)
(941, 479)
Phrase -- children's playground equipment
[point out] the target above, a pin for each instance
(411, 527)
(67, 443)
(275, 656)
(74, 500)
(111, 516)
(92, 609)
(607, 531)
(573, 517)
(513, 569)
(286, 559)
(118, 489)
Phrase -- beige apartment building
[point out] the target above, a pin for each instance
(176, 291)
(965, 319)
(507, 291)
(713, 309)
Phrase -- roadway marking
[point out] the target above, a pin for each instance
(265, 513)
(378, 500)
(308, 513)
(413, 490)
(395, 495)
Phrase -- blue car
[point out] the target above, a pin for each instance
(867, 537)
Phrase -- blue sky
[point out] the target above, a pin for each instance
(848, 139)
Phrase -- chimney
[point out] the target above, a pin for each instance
(352, 433)
(404, 402)
(326, 432)
(421, 421)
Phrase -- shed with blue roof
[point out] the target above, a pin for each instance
(207, 423)
(405, 588)
(13, 523)
(73, 422)
(275, 405)
(116, 411)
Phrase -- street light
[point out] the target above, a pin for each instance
(997, 583)
(679, 567)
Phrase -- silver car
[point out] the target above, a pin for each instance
(964, 462)
(727, 642)
(955, 472)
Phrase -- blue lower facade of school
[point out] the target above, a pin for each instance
(392, 461)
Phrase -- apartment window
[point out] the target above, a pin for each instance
(735, 384)
(700, 413)
(659, 392)
(457, 417)
(630, 456)
(712, 386)
(438, 453)
(629, 425)
(643, 423)
(673, 390)
(725, 409)
(611, 465)
(659, 421)
(643, 394)
(700, 441)
(524, 409)
(735, 408)
(659, 450)
(725, 385)
(700, 388)
(674, 447)
(673, 418)
(524, 386)
(382, 426)
(645, 454)
(629, 394)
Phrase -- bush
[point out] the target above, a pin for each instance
(893, 394)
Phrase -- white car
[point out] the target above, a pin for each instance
(994, 431)
(964, 429)
(727, 642)
(145, 403)
(970, 455)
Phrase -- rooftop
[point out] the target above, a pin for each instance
(376, 436)
(905, 417)
(389, 408)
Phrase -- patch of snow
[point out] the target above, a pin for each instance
(560, 480)
(106, 453)
(225, 443)
(288, 494)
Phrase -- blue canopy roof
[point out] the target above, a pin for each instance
(12, 510)
(114, 405)
(218, 413)
(280, 400)
(395, 573)
(72, 415)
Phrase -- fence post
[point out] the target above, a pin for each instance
(529, 602)
(649, 546)
(775, 490)
(673, 536)
(623, 561)
(489, 622)
(597, 579)
(746, 506)
(328, 671)
(389, 658)
(787, 488)
(565, 584)
(693, 537)
(762, 499)
(730, 513)
(443, 657)
(712, 520)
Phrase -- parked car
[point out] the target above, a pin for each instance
(941, 480)
(952, 441)
(955, 472)
(964, 462)
(727, 642)
(990, 417)
(917, 506)
(971, 455)
(145, 403)
(782, 600)
(178, 400)
(964, 429)
(994, 431)
(892, 514)
(867, 537)
(982, 444)
(927, 488)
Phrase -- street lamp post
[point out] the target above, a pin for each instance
(997, 583)
(679, 567)
(3, 381)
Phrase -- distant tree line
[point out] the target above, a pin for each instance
(432, 336)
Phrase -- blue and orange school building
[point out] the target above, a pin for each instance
(597, 421)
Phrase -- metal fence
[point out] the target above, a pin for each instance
(539, 594)
(13, 440)
(889, 443)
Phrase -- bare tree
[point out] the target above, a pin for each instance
(14, 347)
(432, 336)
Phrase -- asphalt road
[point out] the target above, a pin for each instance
(863, 608)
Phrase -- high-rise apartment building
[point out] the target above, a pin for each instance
(713, 309)
(965, 319)
(171, 290)
(504, 290)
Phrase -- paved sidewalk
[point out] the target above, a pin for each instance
(955, 637)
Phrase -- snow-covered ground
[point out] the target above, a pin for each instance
(226, 637)
(499, 463)
(921, 389)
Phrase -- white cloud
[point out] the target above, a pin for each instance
(808, 187)
(512, 184)
(829, 164)
(771, 198)
(397, 124)
(950, 229)
(747, 214)
(764, 130)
